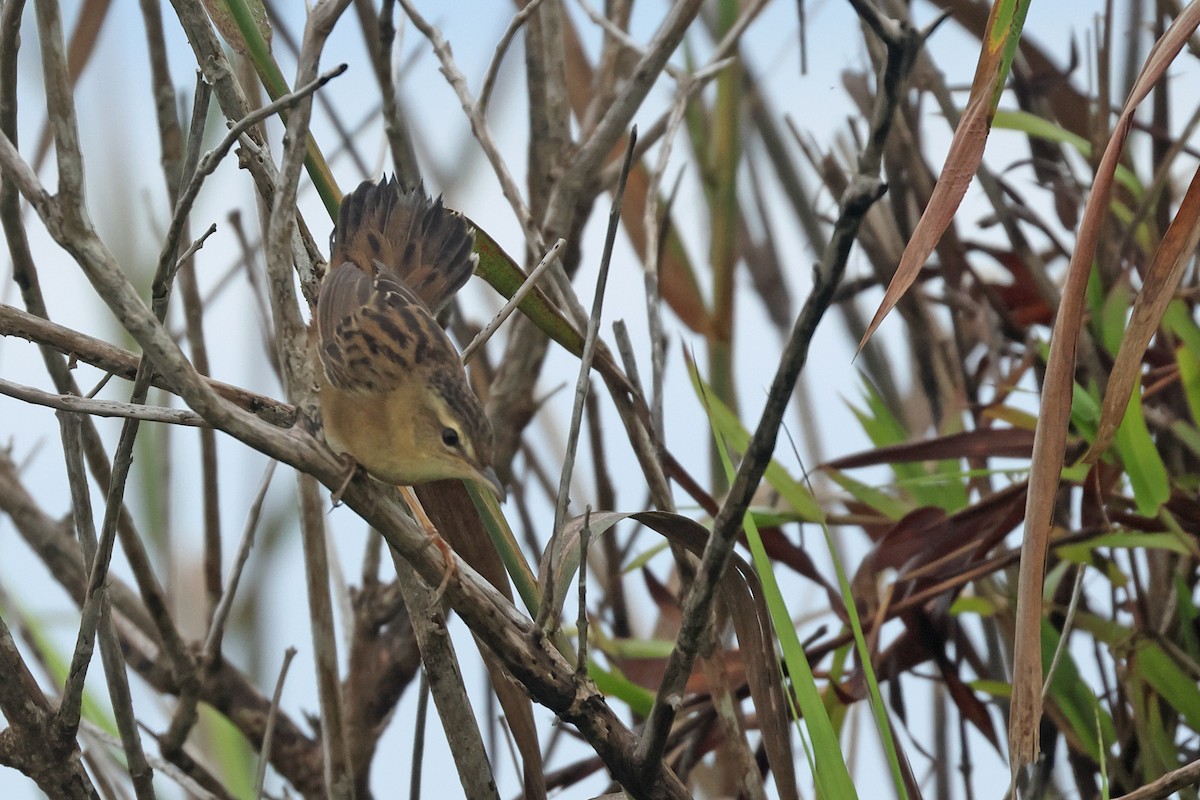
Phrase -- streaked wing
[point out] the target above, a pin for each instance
(372, 330)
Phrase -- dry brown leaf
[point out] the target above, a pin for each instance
(1174, 253)
(962, 161)
(1051, 435)
(742, 595)
(979, 443)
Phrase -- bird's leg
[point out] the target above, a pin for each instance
(351, 466)
(450, 571)
(451, 565)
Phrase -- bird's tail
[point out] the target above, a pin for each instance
(383, 226)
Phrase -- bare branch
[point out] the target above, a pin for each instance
(101, 408)
(863, 191)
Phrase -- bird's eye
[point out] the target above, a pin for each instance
(450, 437)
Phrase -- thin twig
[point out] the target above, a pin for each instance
(100, 384)
(264, 757)
(626, 351)
(96, 622)
(479, 127)
(445, 679)
(657, 129)
(346, 140)
(297, 378)
(419, 733)
(122, 363)
(525, 288)
(102, 408)
(254, 278)
(622, 37)
(192, 788)
(324, 638)
(581, 623)
(69, 707)
(1068, 624)
(585, 362)
(208, 164)
(861, 194)
(193, 248)
(72, 229)
(379, 33)
(631, 406)
(651, 258)
(493, 70)
(212, 642)
(592, 153)
(1188, 775)
(229, 688)
(508, 634)
(201, 101)
(732, 36)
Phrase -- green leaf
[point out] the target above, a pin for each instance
(772, 518)
(1188, 616)
(1080, 552)
(891, 507)
(639, 648)
(1004, 33)
(1032, 125)
(882, 428)
(614, 684)
(1189, 378)
(1085, 412)
(973, 604)
(1179, 322)
(506, 545)
(832, 777)
(1104, 793)
(1002, 689)
(1073, 697)
(1187, 434)
(877, 421)
(727, 425)
(644, 558)
(1144, 466)
(1172, 683)
(234, 761)
(1114, 315)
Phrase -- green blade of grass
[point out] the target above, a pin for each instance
(833, 776)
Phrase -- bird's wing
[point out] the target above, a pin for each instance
(417, 241)
(372, 331)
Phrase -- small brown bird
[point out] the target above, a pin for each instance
(393, 393)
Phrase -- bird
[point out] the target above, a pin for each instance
(393, 393)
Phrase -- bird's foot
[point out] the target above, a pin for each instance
(450, 564)
(351, 466)
(449, 570)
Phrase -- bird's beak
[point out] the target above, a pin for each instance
(488, 477)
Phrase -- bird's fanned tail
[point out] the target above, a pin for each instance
(402, 232)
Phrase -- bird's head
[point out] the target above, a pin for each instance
(452, 432)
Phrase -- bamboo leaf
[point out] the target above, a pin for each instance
(1174, 253)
